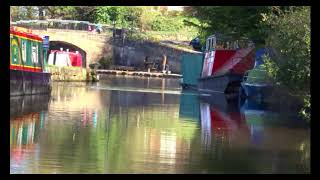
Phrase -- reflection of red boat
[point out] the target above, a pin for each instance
(221, 123)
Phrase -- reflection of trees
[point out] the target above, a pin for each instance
(147, 137)
(126, 138)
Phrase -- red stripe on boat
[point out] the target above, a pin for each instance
(23, 68)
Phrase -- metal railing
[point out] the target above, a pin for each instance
(59, 24)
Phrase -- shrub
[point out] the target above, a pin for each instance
(105, 62)
(290, 37)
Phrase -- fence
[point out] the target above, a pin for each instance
(59, 24)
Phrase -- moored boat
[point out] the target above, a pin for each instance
(221, 67)
(225, 63)
(27, 63)
(256, 85)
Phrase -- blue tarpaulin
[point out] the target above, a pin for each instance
(259, 54)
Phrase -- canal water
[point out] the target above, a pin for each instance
(149, 125)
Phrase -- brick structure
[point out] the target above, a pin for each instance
(95, 45)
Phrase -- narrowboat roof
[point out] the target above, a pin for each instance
(26, 33)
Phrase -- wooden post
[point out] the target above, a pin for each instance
(164, 62)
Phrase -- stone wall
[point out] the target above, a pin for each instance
(68, 73)
(133, 53)
(95, 45)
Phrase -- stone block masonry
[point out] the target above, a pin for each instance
(95, 45)
(131, 53)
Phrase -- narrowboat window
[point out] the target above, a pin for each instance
(24, 50)
(207, 45)
(213, 43)
(41, 54)
(15, 51)
(34, 53)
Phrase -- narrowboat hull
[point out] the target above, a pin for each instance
(29, 83)
(258, 92)
(228, 84)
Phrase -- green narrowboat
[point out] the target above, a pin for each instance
(27, 64)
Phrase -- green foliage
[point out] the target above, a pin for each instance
(105, 62)
(271, 68)
(124, 16)
(138, 36)
(23, 12)
(63, 12)
(15, 13)
(162, 23)
(145, 19)
(85, 13)
(243, 21)
(305, 112)
(259, 75)
(290, 37)
(81, 13)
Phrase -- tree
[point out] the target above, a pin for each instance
(85, 13)
(31, 12)
(60, 12)
(15, 14)
(122, 15)
(289, 35)
(23, 13)
(243, 21)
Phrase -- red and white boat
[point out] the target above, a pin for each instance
(225, 63)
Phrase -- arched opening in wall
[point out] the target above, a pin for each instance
(56, 45)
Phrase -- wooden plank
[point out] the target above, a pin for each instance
(137, 73)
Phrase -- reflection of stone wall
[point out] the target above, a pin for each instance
(77, 95)
(138, 99)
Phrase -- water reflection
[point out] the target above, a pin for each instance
(251, 138)
(92, 128)
(27, 119)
